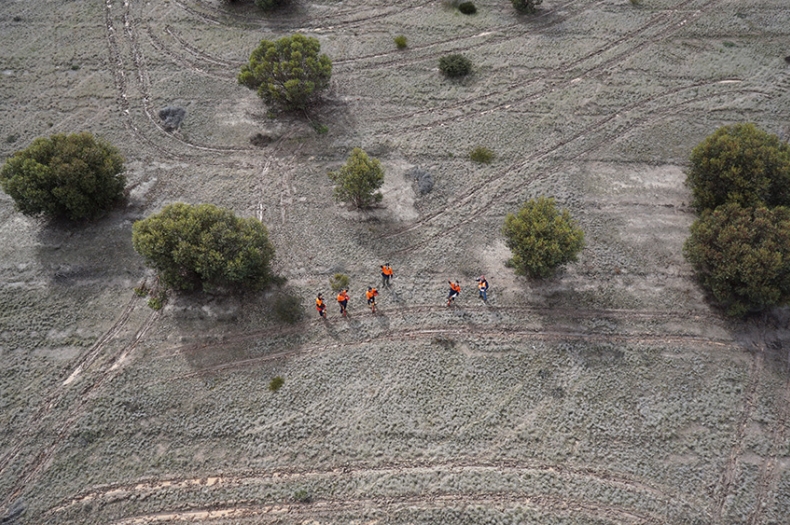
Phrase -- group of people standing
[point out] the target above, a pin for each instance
(386, 281)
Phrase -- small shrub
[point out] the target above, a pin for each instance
(527, 6)
(454, 66)
(321, 129)
(338, 282)
(467, 8)
(12, 138)
(482, 155)
(727, 43)
(268, 5)
(156, 303)
(289, 309)
(635, 2)
(276, 383)
(400, 42)
(358, 179)
(141, 291)
(302, 496)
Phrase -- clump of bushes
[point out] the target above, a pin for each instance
(289, 309)
(74, 177)
(400, 42)
(467, 8)
(454, 66)
(541, 238)
(302, 496)
(482, 155)
(740, 246)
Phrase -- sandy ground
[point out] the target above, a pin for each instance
(612, 393)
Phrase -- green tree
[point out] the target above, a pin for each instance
(742, 164)
(204, 247)
(66, 176)
(541, 238)
(742, 255)
(289, 72)
(526, 6)
(357, 181)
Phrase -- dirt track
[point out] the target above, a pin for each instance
(610, 394)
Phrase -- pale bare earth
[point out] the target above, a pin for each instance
(611, 394)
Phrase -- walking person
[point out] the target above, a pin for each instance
(482, 288)
(455, 290)
(386, 274)
(342, 300)
(370, 295)
(320, 305)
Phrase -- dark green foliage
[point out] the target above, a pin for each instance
(203, 247)
(289, 309)
(359, 178)
(67, 176)
(400, 42)
(338, 282)
(269, 5)
(742, 255)
(467, 8)
(541, 238)
(741, 164)
(482, 155)
(454, 66)
(276, 383)
(289, 72)
(302, 496)
(526, 6)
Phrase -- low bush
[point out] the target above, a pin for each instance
(482, 155)
(302, 496)
(400, 42)
(276, 383)
(358, 180)
(526, 6)
(454, 66)
(338, 282)
(289, 309)
(467, 8)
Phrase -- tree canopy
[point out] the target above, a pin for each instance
(742, 255)
(541, 238)
(358, 179)
(66, 176)
(289, 72)
(741, 164)
(204, 247)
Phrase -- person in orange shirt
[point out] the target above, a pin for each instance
(342, 300)
(455, 290)
(386, 274)
(320, 305)
(370, 295)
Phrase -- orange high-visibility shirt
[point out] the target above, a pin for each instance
(371, 294)
(455, 287)
(342, 296)
(386, 270)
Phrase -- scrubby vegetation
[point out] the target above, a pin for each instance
(741, 164)
(467, 8)
(400, 42)
(482, 155)
(541, 238)
(269, 5)
(290, 72)
(276, 383)
(204, 247)
(338, 282)
(289, 309)
(526, 6)
(454, 66)
(357, 182)
(742, 255)
(65, 176)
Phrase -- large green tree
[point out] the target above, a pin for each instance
(741, 164)
(742, 255)
(541, 238)
(204, 247)
(358, 180)
(66, 176)
(289, 72)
